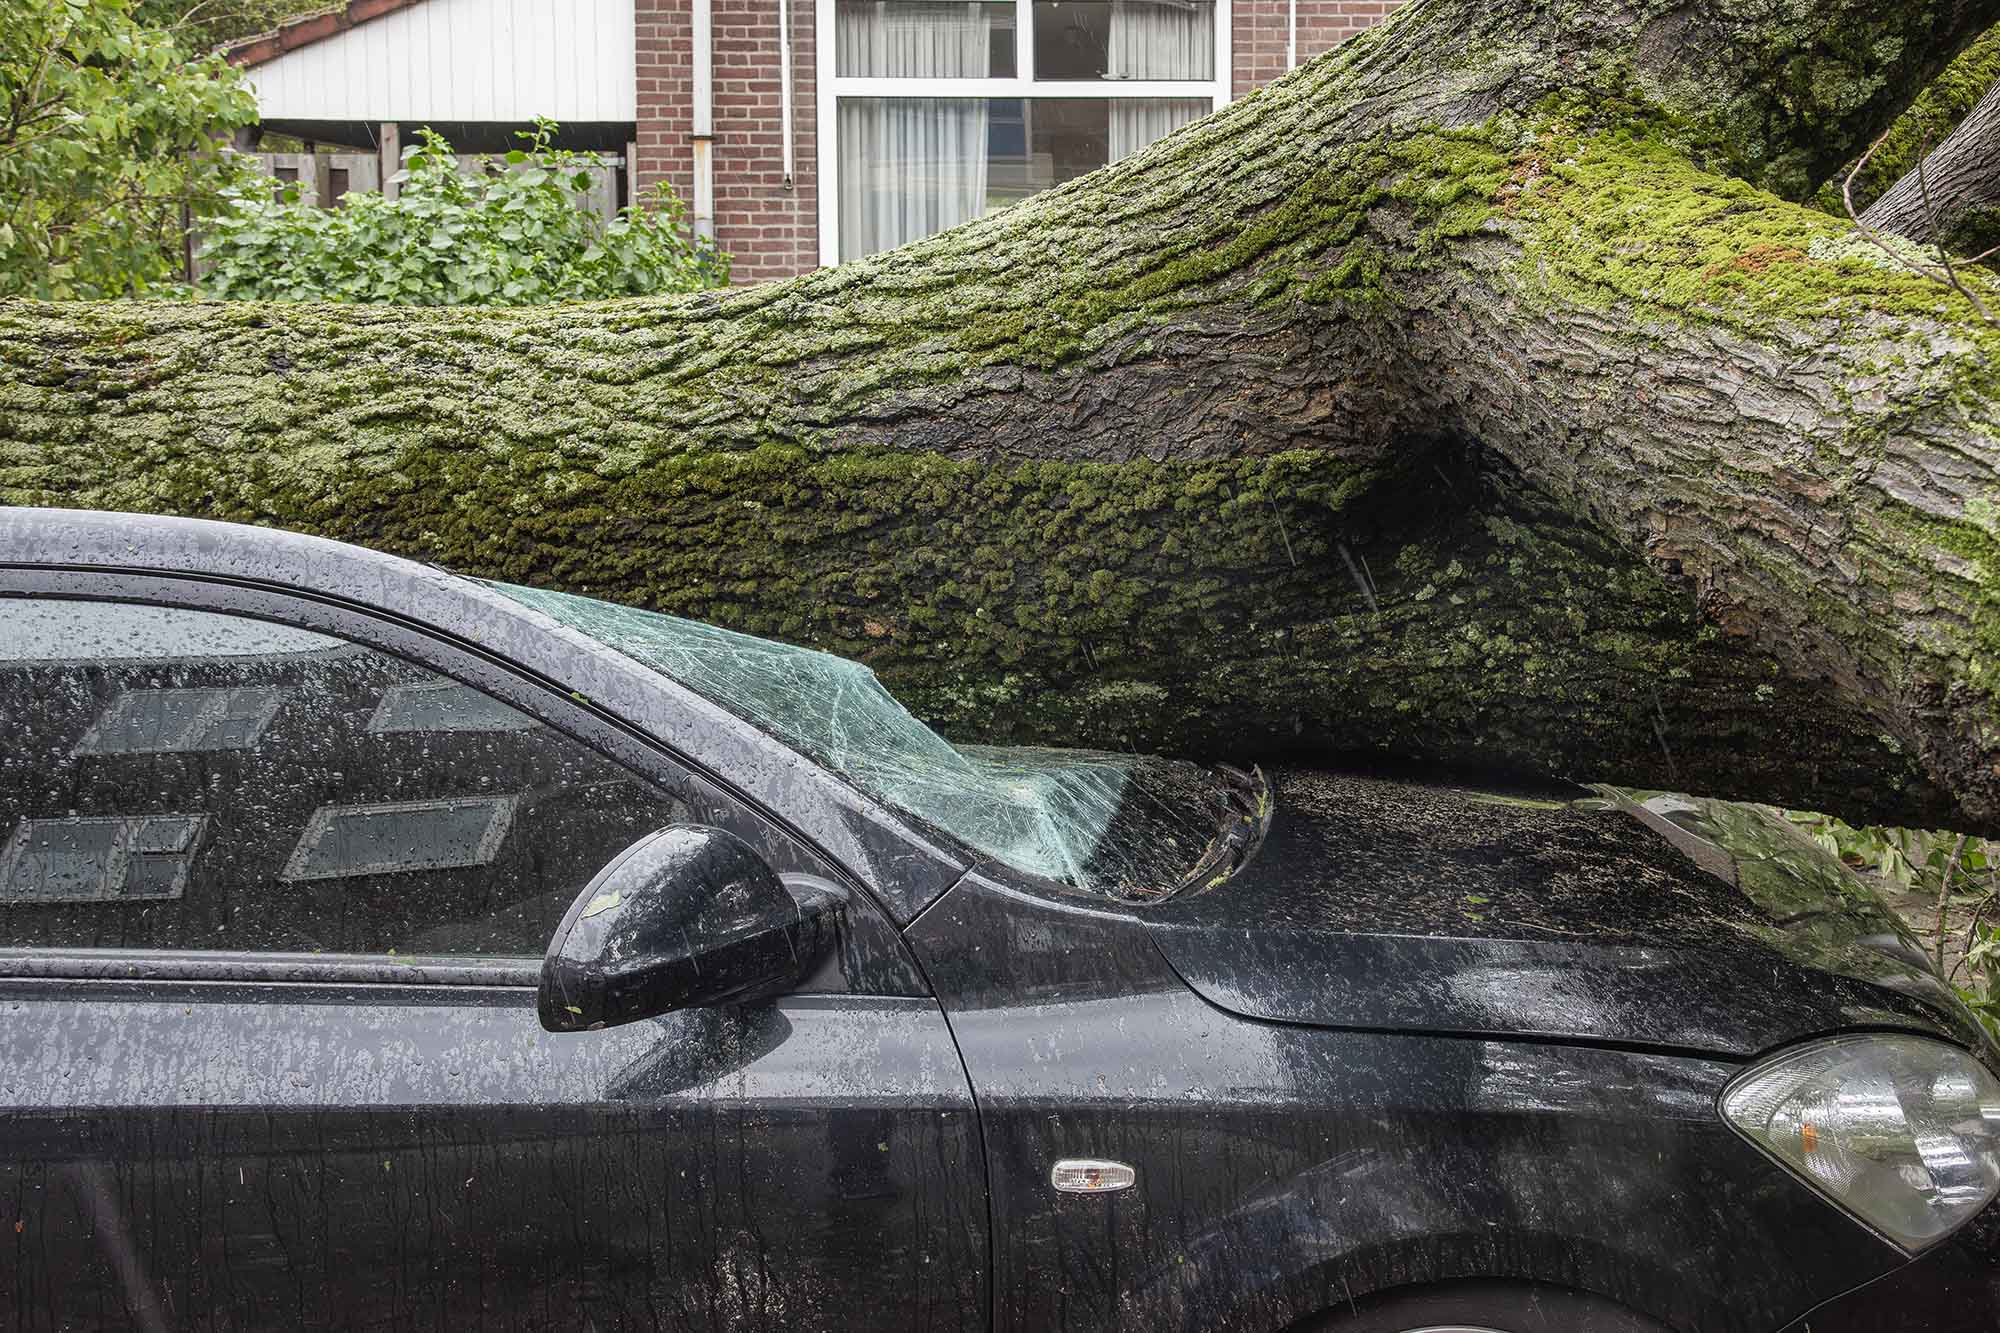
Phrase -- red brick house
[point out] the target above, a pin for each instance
(929, 112)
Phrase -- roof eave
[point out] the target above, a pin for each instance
(307, 31)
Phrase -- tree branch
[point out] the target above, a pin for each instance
(1961, 174)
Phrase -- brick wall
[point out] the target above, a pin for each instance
(769, 230)
(773, 231)
(1259, 35)
(665, 72)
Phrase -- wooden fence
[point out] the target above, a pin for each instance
(326, 177)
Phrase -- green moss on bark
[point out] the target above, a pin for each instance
(1242, 608)
(1929, 122)
(1626, 219)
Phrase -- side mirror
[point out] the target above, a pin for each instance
(684, 917)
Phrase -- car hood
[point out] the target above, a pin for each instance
(1627, 918)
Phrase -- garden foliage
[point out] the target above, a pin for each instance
(108, 145)
(509, 234)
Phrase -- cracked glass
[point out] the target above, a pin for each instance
(1124, 826)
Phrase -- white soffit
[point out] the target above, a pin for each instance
(477, 60)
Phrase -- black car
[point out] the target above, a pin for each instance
(387, 949)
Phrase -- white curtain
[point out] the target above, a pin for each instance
(1157, 39)
(1137, 121)
(1161, 39)
(909, 166)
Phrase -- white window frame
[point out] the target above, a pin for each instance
(1023, 86)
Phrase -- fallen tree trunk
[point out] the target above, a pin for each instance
(1471, 393)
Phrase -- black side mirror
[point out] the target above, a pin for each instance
(684, 917)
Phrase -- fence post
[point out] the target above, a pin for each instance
(392, 158)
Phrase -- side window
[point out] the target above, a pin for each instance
(176, 779)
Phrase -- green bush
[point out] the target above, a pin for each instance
(500, 237)
(106, 150)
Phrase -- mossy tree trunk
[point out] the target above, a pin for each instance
(1956, 178)
(1476, 392)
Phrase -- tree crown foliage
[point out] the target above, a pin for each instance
(106, 148)
(204, 25)
(451, 237)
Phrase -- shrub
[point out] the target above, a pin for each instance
(499, 237)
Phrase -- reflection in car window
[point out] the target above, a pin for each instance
(77, 859)
(446, 707)
(181, 779)
(60, 631)
(1114, 824)
(142, 721)
(346, 840)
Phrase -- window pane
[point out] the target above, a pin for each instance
(911, 166)
(924, 39)
(179, 779)
(1105, 822)
(1124, 39)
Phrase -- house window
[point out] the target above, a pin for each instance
(942, 110)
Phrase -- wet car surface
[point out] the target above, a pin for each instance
(384, 949)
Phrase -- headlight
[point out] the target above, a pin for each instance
(1903, 1131)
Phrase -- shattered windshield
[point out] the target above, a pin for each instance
(1124, 826)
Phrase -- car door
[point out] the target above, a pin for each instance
(272, 904)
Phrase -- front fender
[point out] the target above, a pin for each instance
(1283, 1170)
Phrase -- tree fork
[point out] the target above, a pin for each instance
(1546, 230)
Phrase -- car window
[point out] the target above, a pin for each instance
(180, 779)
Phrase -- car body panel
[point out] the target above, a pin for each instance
(1953, 1287)
(270, 1156)
(1426, 906)
(1283, 1170)
(259, 1139)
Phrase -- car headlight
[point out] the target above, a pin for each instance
(1903, 1131)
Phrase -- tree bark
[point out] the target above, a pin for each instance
(1960, 175)
(1472, 393)
(1937, 111)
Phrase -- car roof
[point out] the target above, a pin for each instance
(907, 868)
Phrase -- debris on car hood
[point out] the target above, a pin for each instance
(1629, 918)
